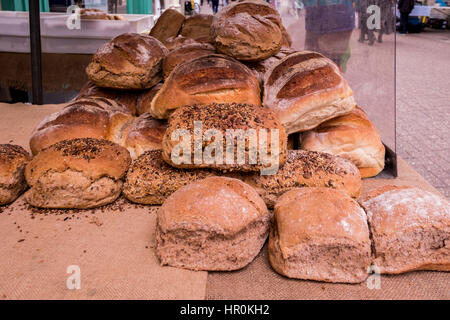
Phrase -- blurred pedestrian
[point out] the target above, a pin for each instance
(405, 7)
(215, 6)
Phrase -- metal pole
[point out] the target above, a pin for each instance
(35, 47)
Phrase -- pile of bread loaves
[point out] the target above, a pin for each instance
(231, 71)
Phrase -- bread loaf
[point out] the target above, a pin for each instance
(410, 229)
(178, 41)
(198, 27)
(130, 61)
(95, 117)
(143, 134)
(204, 80)
(305, 89)
(150, 180)
(145, 99)
(168, 25)
(79, 173)
(213, 224)
(183, 54)
(247, 30)
(307, 169)
(320, 234)
(247, 145)
(351, 136)
(126, 98)
(13, 160)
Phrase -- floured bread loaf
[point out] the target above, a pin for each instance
(130, 61)
(185, 53)
(143, 134)
(204, 80)
(145, 99)
(213, 224)
(222, 120)
(178, 41)
(13, 160)
(150, 180)
(197, 27)
(305, 89)
(320, 234)
(79, 173)
(410, 229)
(168, 25)
(247, 30)
(353, 137)
(126, 98)
(94, 117)
(307, 169)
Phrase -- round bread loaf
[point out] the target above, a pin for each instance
(352, 137)
(175, 42)
(12, 165)
(320, 234)
(247, 30)
(150, 180)
(245, 126)
(145, 99)
(216, 223)
(94, 117)
(307, 169)
(198, 27)
(79, 173)
(185, 53)
(305, 89)
(204, 80)
(125, 98)
(130, 61)
(410, 229)
(168, 25)
(143, 134)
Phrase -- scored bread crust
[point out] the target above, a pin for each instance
(221, 117)
(247, 30)
(307, 169)
(197, 27)
(352, 136)
(319, 234)
(175, 42)
(168, 25)
(410, 229)
(77, 173)
(130, 61)
(216, 223)
(13, 160)
(94, 117)
(305, 89)
(183, 54)
(145, 99)
(204, 80)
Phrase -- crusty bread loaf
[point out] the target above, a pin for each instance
(126, 98)
(351, 136)
(207, 79)
(307, 169)
(143, 134)
(183, 54)
(213, 224)
(410, 229)
(320, 234)
(79, 173)
(13, 160)
(168, 25)
(198, 27)
(94, 117)
(220, 118)
(130, 61)
(178, 41)
(305, 89)
(150, 180)
(247, 30)
(144, 100)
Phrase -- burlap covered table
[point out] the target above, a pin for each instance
(114, 250)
